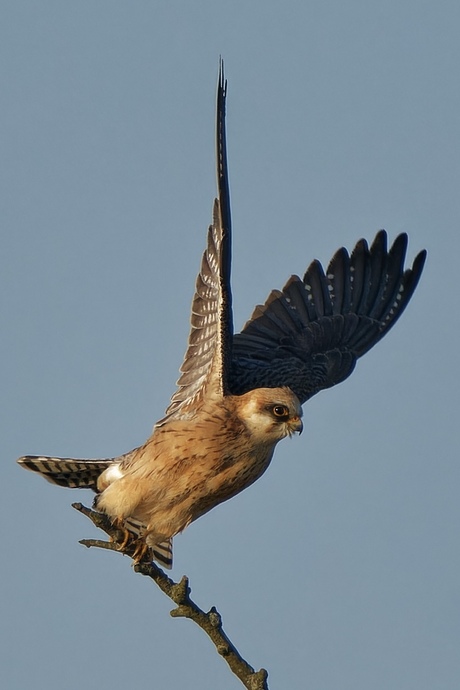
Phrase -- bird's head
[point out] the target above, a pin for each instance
(270, 414)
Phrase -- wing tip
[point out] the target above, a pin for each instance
(222, 82)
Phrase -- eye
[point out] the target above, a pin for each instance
(280, 411)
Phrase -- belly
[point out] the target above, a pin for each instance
(182, 472)
(201, 487)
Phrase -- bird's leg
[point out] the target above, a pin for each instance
(140, 552)
(128, 538)
(126, 534)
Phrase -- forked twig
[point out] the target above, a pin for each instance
(179, 593)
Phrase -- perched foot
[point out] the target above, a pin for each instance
(127, 536)
(141, 552)
(130, 539)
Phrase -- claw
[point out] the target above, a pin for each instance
(140, 552)
(127, 535)
(129, 539)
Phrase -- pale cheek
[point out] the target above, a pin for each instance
(258, 424)
(263, 429)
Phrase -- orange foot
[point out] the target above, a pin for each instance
(127, 535)
(140, 552)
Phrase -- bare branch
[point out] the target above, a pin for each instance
(179, 593)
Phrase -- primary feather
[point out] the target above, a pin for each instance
(239, 395)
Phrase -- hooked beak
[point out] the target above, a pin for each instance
(295, 425)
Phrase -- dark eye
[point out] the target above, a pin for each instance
(280, 411)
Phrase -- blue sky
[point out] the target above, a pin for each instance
(339, 568)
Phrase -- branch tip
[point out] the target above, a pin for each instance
(215, 618)
(179, 593)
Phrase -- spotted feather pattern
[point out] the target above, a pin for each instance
(206, 361)
(220, 428)
(309, 335)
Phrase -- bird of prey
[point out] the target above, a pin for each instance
(238, 395)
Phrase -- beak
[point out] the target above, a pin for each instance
(296, 424)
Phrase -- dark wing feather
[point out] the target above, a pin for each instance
(208, 356)
(309, 335)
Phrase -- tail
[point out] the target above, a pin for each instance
(75, 474)
(162, 552)
(84, 474)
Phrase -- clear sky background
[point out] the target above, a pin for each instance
(339, 569)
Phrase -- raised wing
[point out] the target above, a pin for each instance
(309, 335)
(207, 360)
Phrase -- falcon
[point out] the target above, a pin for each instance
(239, 394)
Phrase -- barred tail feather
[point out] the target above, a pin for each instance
(68, 472)
(162, 552)
(84, 474)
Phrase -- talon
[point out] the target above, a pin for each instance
(140, 552)
(127, 535)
